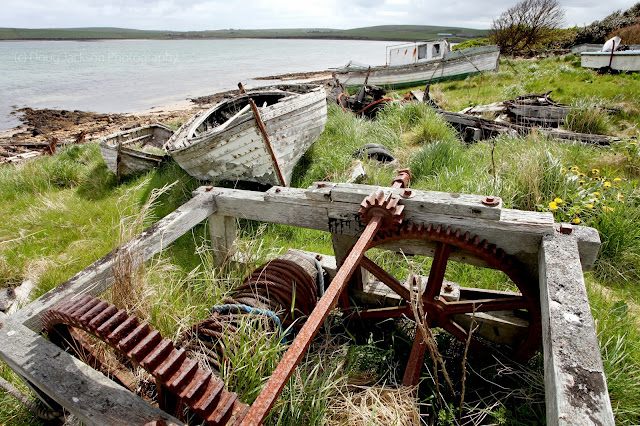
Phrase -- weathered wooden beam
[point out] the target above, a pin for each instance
(333, 208)
(98, 276)
(222, 230)
(84, 392)
(575, 385)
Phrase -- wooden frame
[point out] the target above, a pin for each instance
(539, 243)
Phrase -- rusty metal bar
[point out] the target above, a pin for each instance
(261, 406)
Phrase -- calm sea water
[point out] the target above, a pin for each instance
(131, 75)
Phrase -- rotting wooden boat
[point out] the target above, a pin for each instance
(257, 136)
(135, 150)
(422, 62)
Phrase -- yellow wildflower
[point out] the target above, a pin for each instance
(605, 208)
(553, 205)
(575, 220)
(558, 200)
(634, 143)
(596, 193)
(617, 180)
(582, 182)
(590, 206)
(581, 175)
(574, 169)
(595, 171)
(607, 184)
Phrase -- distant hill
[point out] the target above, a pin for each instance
(382, 32)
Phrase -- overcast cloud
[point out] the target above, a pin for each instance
(185, 15)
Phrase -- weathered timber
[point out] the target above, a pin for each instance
(97, 277)
(575, 385)
(492, 128)
(84, 392)
(517, 232)
(222, 230)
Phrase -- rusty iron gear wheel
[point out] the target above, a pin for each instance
(440, 312)
(384, 205)
(179, 380)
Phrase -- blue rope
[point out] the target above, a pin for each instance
(253, 311)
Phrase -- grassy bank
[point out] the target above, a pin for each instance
(61, 213)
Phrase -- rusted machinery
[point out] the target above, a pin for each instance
(544, 261)
(290, 287)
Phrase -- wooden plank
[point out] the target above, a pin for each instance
(222, 230)
(575, 385)
(86, 393)
(424, 201)
(97, 277)
(517, 232)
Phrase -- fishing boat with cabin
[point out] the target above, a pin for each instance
(411, 64)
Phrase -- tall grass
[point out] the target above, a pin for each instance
(586, 116)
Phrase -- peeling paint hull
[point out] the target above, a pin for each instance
(132, 158)
(225, 143)
(456, 64)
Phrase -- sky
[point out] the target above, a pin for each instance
(186, 15)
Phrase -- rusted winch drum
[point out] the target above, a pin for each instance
(283, 291)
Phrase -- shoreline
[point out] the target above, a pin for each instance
(43, 127)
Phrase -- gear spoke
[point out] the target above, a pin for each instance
(436, 274)
(392, 312)
(386, 278)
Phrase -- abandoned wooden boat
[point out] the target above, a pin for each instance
(135, 150)
(626, 60)
(257, 136)
(422, 62)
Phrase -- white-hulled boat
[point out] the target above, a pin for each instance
(135, 150)
(419, 63)
(257, 136)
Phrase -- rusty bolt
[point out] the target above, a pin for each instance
(407, 193)
(321, 185)
(448, 288)
(318, 256)
(208, 188)
(278, 190)
(565, 229)
(491, 201)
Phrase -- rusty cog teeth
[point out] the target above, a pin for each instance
(138, 333)
(181, 378)
(158, 355)
(111, 324)
(145, 346)
(223, 407)
(170, 366)
(123, 329)
(102, 317)
(79, 312)
(172, 363)
(196, 387)
(93, 312)
(209, 398)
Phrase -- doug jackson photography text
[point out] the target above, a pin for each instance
(84, 57)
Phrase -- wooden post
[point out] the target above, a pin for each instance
(341, 245)
(575, 385)
(222, 230)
